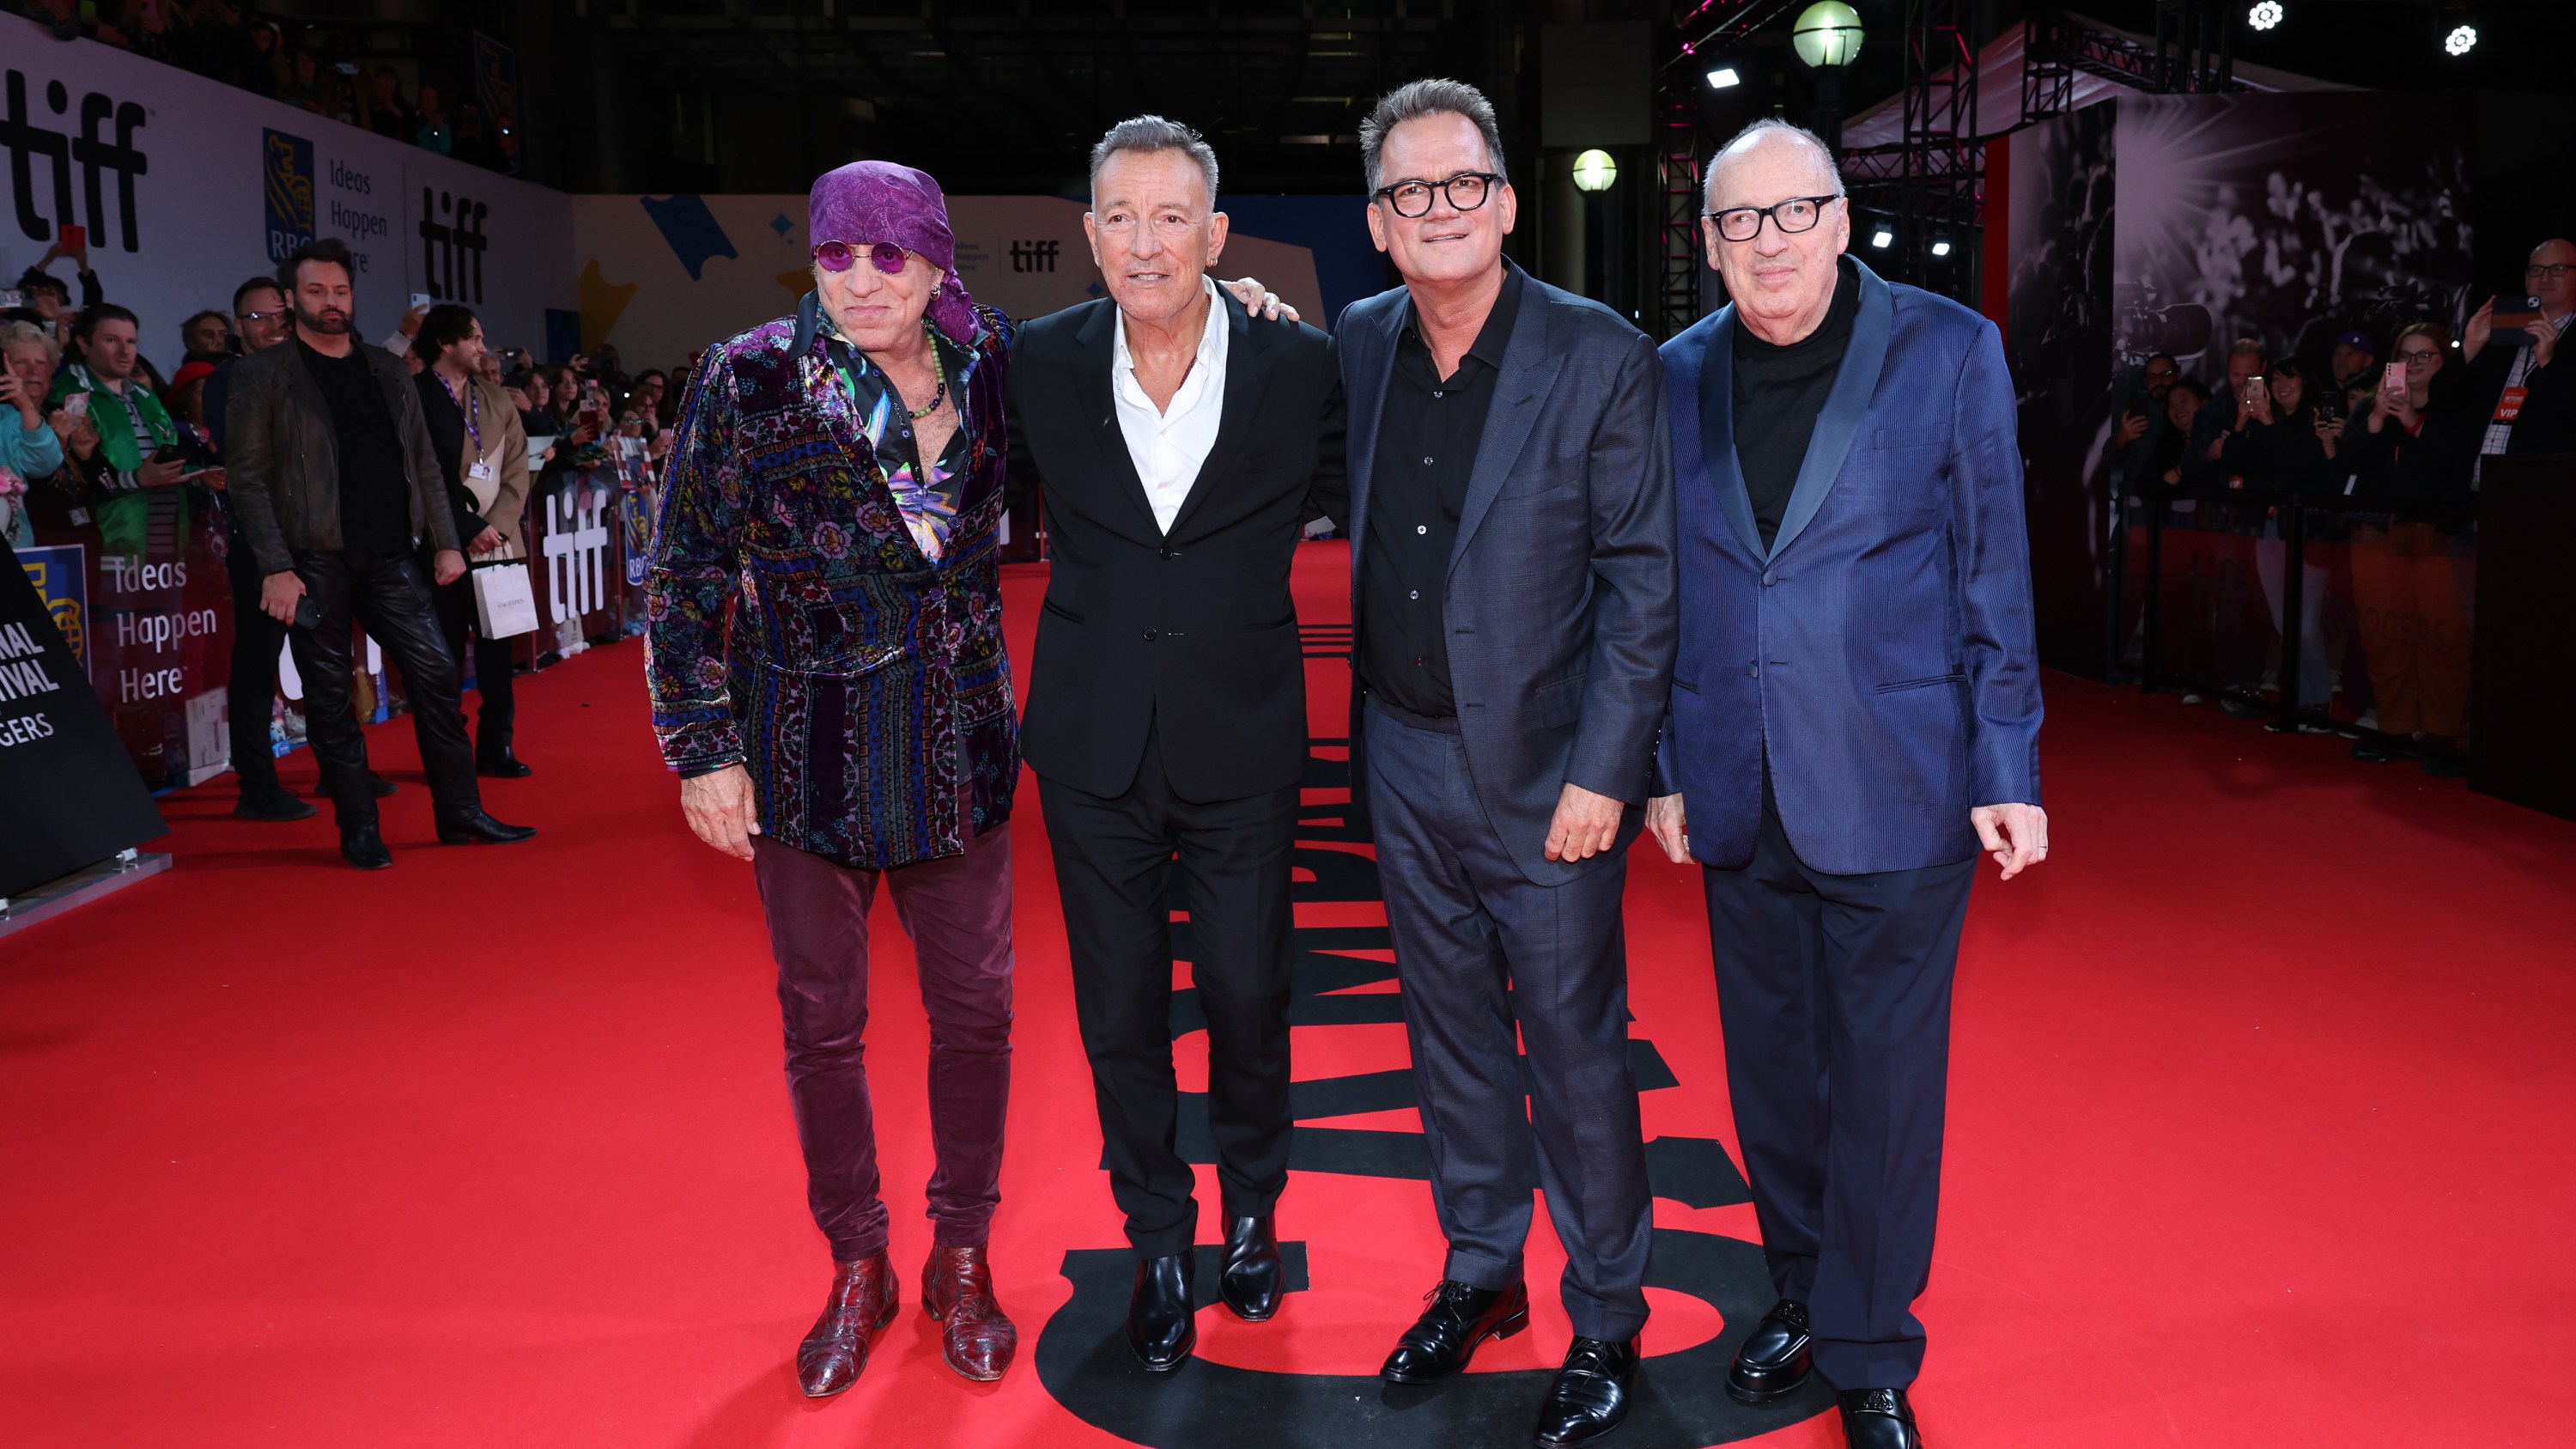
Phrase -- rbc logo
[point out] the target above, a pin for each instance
(286, 189)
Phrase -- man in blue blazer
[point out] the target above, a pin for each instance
(1512, 582)
(1855, 709)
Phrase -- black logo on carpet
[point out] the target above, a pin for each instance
(1082, 1355)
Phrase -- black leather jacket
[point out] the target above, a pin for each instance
(283, 456)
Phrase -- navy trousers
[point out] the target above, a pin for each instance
(1835, 994)
(1480, 950)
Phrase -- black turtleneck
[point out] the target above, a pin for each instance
(1779, 392)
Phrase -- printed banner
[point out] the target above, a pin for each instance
(73, 799)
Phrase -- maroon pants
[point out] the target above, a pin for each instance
(958, 912)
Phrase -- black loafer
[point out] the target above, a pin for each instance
(1255, 1276)
(364, 848)
(1444, 1338)
(1774, 1359)
(1879, 1419)
(503, 766)
(274, 803)
(1162, 1326)
(1590, 1395)
(477, 828)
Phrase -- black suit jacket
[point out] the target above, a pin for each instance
(1193, 632)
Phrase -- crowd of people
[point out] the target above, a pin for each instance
(2384, 445)
(92, 425)
(222, 41)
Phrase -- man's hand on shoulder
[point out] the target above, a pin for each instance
(1260, 300)
(719, 808)
(1585, 825)
(2016, 835)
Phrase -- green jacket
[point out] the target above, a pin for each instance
(113, 416)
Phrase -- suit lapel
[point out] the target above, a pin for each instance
(1717, 432)
(1100, 411)
(1247, 374)
(1529, 367)
(1366, 376)
(1845, 407)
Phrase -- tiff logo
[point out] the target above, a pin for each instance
(576, 550)
(451, 249)
(1034, 256)
(26, 141)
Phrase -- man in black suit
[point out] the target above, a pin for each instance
(1182, 443)
(1512, 566)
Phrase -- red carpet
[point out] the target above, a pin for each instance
(2260, 1102)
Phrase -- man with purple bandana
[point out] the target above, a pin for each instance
(828, 679)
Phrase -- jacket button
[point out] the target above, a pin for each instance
(1769, 579)
(1164, 552)
(1753, 669)
(1152, 634)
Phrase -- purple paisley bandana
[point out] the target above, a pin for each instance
(874, 201)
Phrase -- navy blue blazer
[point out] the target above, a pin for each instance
(1881, 649)
(1559, 600)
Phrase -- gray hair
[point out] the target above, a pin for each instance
(14, 335)
(1429, 97)
(1769, 126)
(1153, 133)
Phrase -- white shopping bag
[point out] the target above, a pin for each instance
(505, 605)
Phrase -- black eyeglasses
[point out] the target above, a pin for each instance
(1466, 191)
(1797, 214)
(2551, 270)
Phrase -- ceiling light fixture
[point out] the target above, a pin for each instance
(1940, 249)
(2460, 41)
(2264, 15)
(1723, 78)
(1882, 238)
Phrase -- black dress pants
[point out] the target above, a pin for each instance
(389, 594)
(492, 666)
(1834, 996)
(1117, 861)
(251, 696)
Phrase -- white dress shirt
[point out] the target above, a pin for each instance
(1170, 445)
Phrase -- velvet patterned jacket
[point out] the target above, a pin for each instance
(797, 629)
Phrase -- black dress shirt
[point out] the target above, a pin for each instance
(1779, 393)
(375, 495)
(1426, 449)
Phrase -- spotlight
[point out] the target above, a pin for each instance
(2264, 15)
(1882, 238)
(2460, 41)
(1723, 77)
(1940, 249)
(1594, 171)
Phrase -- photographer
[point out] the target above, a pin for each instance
(483, 452)
(2412, 454)
(2523, 404)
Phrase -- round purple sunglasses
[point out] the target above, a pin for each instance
(835, 256)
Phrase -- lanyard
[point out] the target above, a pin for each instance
(473, 410)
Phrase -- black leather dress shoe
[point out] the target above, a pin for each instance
(364, 848)
(1879, 1419)
(1162, 1326)
(1773, 1362)
(1590, 1395)
(503, 766)
(481, 829)
(1254, 1275)
(1444, 1338)
(274, 803)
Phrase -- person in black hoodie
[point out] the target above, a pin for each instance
(2410, 455)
